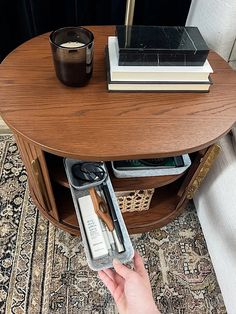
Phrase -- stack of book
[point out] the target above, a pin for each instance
(154, 78)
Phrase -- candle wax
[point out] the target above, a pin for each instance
(72, 44)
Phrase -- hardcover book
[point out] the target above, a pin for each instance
(154, 86)
(153, 73)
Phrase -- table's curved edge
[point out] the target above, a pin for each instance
(88, 157)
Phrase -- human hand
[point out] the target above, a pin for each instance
(130, 289)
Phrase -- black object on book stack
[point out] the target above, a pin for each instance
(153, 58)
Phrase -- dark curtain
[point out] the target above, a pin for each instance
(21, 20)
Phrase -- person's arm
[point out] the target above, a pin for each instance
(130, 289)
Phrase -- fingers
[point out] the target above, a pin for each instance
(118, 280)
(108, 282)
(110, 273)
(121, 269)
(139, 265)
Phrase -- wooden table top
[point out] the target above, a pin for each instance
(93, 124)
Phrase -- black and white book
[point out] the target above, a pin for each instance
(154, 73)
(154, 86)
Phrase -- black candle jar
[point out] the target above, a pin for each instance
(72, 50)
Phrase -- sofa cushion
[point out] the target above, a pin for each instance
(216, 207)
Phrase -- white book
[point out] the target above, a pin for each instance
(154, 73)
(166, 87)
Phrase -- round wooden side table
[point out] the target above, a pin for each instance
(51, 121)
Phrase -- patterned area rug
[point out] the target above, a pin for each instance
(44, 270)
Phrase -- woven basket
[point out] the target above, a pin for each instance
(138, 200)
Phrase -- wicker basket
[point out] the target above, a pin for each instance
(138, 200)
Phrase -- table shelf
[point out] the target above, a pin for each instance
(162, 208)
(161, 211)
(141, 183)
(57, 172)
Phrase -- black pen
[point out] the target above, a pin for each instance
(113, 213)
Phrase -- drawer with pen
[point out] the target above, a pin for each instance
(102, 227)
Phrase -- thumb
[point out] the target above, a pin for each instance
(121, 269)
(139, 265)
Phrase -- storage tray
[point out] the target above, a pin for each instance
(76, 192)
(152, 172)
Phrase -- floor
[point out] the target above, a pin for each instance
(4, 129)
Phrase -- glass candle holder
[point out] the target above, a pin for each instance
(72, 51)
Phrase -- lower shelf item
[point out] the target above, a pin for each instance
(138, 200)
(150, 171)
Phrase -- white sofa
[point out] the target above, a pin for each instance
(216, 207)
(216, 200)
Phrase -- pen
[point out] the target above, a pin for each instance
(113, 213)
(111, 239)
